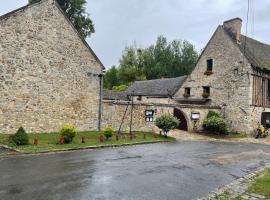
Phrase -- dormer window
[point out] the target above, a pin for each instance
(209, 67)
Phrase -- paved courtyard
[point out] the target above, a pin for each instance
(182, 170)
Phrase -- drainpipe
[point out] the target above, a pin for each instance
(100, 100)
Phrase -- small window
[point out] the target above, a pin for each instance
(139, 98)
(187, 91)
(268, 88)
(209, 65)
(149, 115)
(206, 90)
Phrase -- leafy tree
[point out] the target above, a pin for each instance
(120, 88)
(163, 59)
(111, 78)
(167, 122)
(76, 12)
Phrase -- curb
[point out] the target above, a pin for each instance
(214, 194)
(90, 147)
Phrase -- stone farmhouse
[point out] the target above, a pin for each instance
(49, 76)
(232, 76)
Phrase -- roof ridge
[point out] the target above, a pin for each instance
(161, 79)
(255, 40)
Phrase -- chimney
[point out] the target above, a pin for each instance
(233, 28)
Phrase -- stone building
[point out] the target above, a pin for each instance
(49, 76)
(232, 76)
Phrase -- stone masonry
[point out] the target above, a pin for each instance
(47, 72)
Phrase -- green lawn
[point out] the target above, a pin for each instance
(48, 141)
(262, 185)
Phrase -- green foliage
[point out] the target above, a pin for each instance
(262, 185)
(163, 59)
(108, 132)
(68, 133)
(120, 88)
(20, 137)
(167, 122)
(76, 12)
(215, 124)
(213, 114)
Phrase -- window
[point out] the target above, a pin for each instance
(206, 90)
(149, 115)
(209, 65)
(268, 88)
(187, 92)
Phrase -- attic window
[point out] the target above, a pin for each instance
(139, 98)
(209, 65)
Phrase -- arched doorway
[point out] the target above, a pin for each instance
(183, 122)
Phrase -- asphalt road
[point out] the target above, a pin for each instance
(183, 170)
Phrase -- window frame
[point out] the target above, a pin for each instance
(209, 65)
(187, 91)
(206, 90)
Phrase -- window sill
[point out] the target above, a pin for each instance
(186, 95)
(205, 95)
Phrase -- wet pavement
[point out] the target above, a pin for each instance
(182, 170)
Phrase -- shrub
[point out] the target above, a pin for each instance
(68, 133)
(213, 114)
(20, 137)
(215, 124)
(108, 132)
(167, 122)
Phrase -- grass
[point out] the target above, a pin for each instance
(227, 196)
(262, 185)
(48, 141)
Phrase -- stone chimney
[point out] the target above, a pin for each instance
(233, 28)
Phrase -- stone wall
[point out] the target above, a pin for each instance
(46, 72)
(230, 82)
(113, 112)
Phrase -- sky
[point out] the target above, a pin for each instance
(121, 23)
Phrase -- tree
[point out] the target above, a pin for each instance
(163, 59)
(76, 12)
(167, 122)
(111, 78)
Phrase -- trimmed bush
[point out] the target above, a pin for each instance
(166, 123)
(68, 133)
(213, 114)
(216, 125)
(108, 132)
(20, 137)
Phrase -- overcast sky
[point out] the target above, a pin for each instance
(120, 23)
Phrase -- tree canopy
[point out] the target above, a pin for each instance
(76, 12)
(163, 59)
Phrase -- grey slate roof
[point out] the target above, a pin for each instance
(113, 95)
(256, 52)
(158, 88)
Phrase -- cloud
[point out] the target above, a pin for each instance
(120, 22)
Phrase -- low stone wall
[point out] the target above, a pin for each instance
(113, 112)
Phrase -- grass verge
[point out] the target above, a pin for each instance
(48, 142)
(262, 185)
